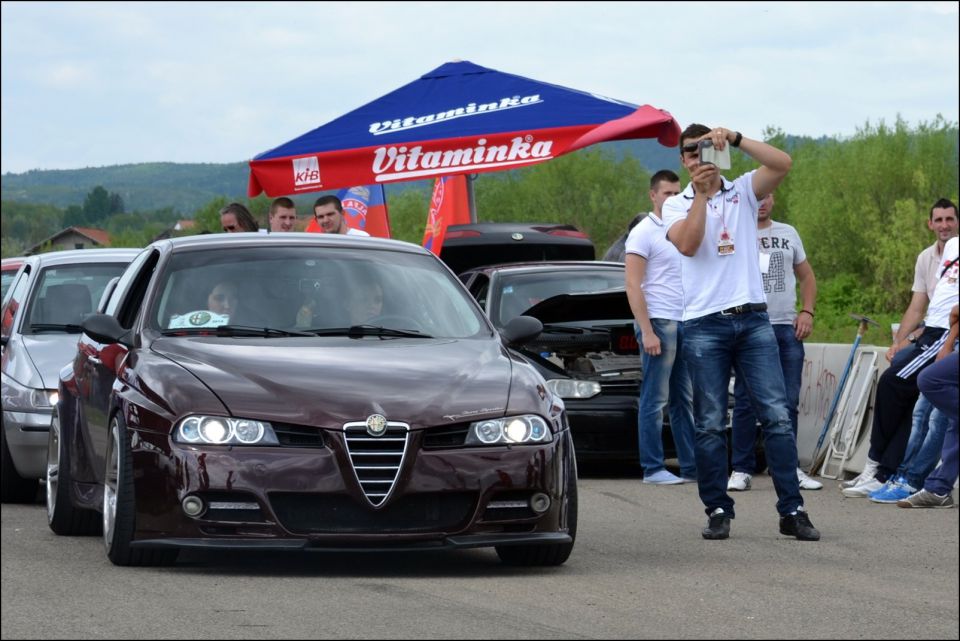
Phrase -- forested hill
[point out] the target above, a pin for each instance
(188, 186)
(144, 187)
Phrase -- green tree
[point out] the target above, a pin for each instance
(96, 206)
(207, 218)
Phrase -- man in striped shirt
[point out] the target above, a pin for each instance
(897, 388)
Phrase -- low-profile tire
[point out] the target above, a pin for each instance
(62, 516)
(119, 504)
(546, 554)
(13, 487)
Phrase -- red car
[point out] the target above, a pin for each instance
(306, 392)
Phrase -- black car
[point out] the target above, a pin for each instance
(587, 351)
(470, 246)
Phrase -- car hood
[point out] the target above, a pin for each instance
(568, 308)
(332, 380)
(48, 353)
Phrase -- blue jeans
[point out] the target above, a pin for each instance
(665, 379)
(939, 383)
(744, 435)
(926, 441)
(713, 344)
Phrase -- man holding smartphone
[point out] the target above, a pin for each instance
(713, 224)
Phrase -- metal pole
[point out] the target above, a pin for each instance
(470, 197)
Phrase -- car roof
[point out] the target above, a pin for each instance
(538, 266)
(290, 239)
(83, 256)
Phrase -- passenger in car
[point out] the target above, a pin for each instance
(364, 303)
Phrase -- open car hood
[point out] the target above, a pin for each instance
(569, 308)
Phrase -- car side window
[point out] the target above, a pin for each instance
(117, 304)
(18, 292)
(479, 289)
(133, 300)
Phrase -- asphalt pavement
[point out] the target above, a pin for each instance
(640, 569)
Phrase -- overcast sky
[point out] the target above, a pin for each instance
(90, 84)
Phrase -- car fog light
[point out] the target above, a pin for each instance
(539, 502)
(192, 506)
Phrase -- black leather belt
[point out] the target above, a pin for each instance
(745, 308)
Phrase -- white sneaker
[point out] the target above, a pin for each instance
(869, 471)
(739, 482)
(862, 490)
(807, 483)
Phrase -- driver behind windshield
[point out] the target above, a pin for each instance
(221, 303)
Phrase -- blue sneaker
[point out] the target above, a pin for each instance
(665, 477)
(892, 491)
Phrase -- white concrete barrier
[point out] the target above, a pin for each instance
(822, 370)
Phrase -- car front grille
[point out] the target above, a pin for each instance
(376, 460)
(445, 436)
(337, 513)
(298, 435)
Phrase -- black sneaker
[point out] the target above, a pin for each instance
(719, 525)
(798, 524)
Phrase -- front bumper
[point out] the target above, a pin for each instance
(310, 545)
(310, 498)
(27, 434)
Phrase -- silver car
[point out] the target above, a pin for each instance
(41, 317)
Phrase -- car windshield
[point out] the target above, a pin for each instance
(6, 278)
(311, 290)
(66, 294)
(519, 292)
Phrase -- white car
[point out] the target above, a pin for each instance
(49, 298)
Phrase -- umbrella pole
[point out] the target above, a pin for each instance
(470, 197)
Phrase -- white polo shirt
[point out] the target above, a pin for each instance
(662, 286)
(711, 282)
(946, 291)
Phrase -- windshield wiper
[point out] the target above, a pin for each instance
(356, 331)
(233, 330)
(69, 328)
(249, 330)
(554, 329)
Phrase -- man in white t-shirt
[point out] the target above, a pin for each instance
(328, 210)
(942, 222)
(783, 264)
(713, 223)
(652, 268)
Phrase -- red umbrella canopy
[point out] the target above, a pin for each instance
(459, 118)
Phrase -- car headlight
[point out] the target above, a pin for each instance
(220, 430)
(512, 430)
(573, 388)
(19, 398)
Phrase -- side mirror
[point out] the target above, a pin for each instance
(103, 329)
(521, 329)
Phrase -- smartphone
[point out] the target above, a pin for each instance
(710, 154)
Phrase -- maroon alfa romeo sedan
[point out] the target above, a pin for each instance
(306, 392)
